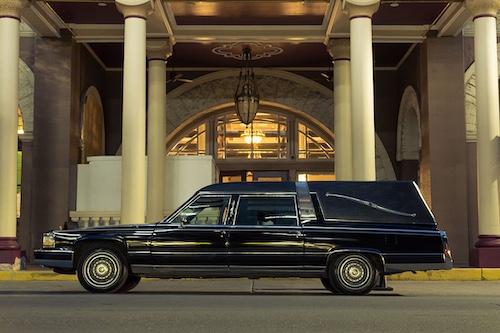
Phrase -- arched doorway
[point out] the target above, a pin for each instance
(281, 93)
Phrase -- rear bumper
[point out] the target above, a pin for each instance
(398, 268)
(441, 262)
(54, 258)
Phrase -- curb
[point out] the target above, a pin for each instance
(456, 274)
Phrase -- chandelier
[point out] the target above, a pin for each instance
(246, 98)
(252, 135)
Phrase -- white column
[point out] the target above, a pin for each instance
(363, 115)
(133, 193)
(488, 129)
(158, 52)
(339, 50)
(10, 13)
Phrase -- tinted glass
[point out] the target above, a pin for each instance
(267, 211)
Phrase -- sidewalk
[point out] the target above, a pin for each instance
(37, 273)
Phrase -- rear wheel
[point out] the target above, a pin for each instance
(353, 273)
(102, 270)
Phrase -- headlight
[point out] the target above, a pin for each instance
(49, 240)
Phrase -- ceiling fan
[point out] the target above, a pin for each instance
(176, 77)
(328, 76)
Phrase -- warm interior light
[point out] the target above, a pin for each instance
(20, 125)
(252, 136)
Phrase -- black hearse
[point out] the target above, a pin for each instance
(348, 234)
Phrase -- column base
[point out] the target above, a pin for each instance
(10, 250)
(486, 253)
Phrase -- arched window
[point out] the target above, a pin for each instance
(312, 145)
(267, 137)
(194, 143)
(274, 146)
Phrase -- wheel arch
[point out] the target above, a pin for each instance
(85, 243)
(375, 255)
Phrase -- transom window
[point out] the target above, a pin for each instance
(270, 136)
(311, 145)
(194, 143)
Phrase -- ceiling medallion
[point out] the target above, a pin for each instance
(259, 50)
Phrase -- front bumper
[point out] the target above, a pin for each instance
(54, 258)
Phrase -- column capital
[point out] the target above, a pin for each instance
(159, 49)
(480, 8)
(339, 48)
(12, 8)
(360, 8)
(135, 8)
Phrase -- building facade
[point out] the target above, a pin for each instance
(429, 118)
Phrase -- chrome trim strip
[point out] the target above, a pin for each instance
(188, 268)
(326, 228)
(223, 253)
(269, 268)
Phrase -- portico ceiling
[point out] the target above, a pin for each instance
(299, 28)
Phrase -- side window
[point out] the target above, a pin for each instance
(267, 211)
(204, 211)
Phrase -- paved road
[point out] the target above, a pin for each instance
(300, 305)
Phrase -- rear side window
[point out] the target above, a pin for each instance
(267, 211)
(341, 207)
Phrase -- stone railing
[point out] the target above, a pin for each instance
(86, 219)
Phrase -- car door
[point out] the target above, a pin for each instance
(265, 237)
(195, 239)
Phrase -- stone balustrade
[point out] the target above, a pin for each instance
(86, 219)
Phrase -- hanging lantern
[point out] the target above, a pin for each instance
(246, 98)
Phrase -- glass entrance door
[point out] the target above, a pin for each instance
(269, 176)
(253, 176)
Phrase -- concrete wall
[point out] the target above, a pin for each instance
(99, 182)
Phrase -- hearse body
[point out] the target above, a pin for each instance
(348, 234)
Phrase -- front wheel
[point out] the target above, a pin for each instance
(353, 273)
(131, 283)
(328, 285)
(102, 270)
